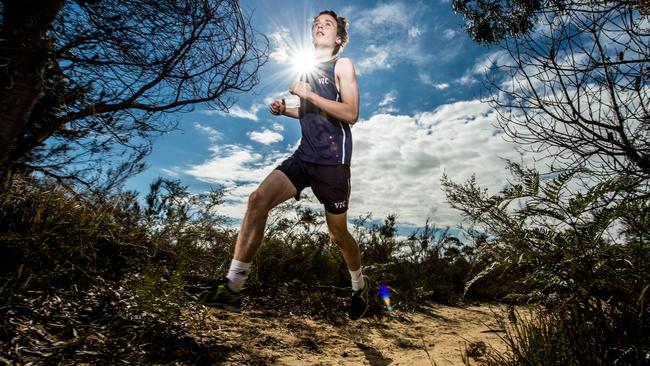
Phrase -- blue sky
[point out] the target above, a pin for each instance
(421, 113)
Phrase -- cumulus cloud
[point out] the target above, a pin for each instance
(228, 164)
(377, 59)
(236, 111)
(448, 34)
(482, 65)
(277, 127)
(246, 114)
(265, 137)
(398, 160)
(172, 172)
(234, 165)
(426, 79)
(415, 31)
(491, 60)
(384, 16)
(392, 37)
(239, 169)
(386, 104)
(212, 133)
(280, 50)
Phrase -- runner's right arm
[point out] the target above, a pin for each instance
(278, 108)
(291, 112)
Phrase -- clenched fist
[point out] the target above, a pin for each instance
(300, 88)
(277, 107)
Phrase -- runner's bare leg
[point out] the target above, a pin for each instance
(338, 228)
(275, 189)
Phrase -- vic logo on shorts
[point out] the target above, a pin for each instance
(339, 204)
(323, 81)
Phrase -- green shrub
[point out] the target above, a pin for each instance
(581, 253)
(52, 238)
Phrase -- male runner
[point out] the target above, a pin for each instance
(329, 105)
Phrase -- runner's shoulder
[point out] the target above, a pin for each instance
(344, 60)
(344, 65)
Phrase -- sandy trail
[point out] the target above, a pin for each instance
(438, 336)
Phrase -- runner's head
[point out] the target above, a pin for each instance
(329, 29)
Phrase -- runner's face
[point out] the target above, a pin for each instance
(323, 31)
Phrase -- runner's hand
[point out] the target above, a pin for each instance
(300, 88)
(277, 108)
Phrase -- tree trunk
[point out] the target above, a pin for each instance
(25, 55)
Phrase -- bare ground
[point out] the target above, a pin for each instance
(440, 335)
(103, 326)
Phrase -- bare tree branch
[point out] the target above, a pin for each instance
(109, 73)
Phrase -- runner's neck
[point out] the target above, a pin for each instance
(332, 58)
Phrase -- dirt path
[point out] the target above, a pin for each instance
(257, 337)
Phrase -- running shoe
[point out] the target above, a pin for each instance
(217, 295)
(360, 300)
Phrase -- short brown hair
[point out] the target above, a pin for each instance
(341, 28)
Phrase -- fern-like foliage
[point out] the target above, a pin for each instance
(580, 248)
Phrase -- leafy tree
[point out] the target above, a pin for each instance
(573, 84)
(84, 79)
(564, 240)
(491, 21)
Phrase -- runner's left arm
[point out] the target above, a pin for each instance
(347, 110)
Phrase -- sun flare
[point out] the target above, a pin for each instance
(303, 62)
(295, 55)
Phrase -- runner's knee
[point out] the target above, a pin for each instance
(338, 235)
(257, 203)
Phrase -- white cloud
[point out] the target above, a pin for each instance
(265, 137)
(384, 16)
(212, 133)
(173, 172)
(448, 34)
(415, 31)
(277, 127)
(393, 37)
(398, 160)
(482, 65)
(231, 164)
(239, 169)
(491, 60)
(280, 51)
(397, 163)
(236, 111)
(426, 79)
(389, 98)
(377, 60)
(386, 104)
(466, 79)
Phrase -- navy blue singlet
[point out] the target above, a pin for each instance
(325, 140)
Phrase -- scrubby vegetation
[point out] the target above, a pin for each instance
(122, 263)
(71, 260)
(54, 239)
(582, 253)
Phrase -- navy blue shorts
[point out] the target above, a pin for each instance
(330, 183)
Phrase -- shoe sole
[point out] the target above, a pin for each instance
(192, 294)
(362, 314)
(231, 308)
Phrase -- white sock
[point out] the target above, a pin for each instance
(237, 274)
(357, 280)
